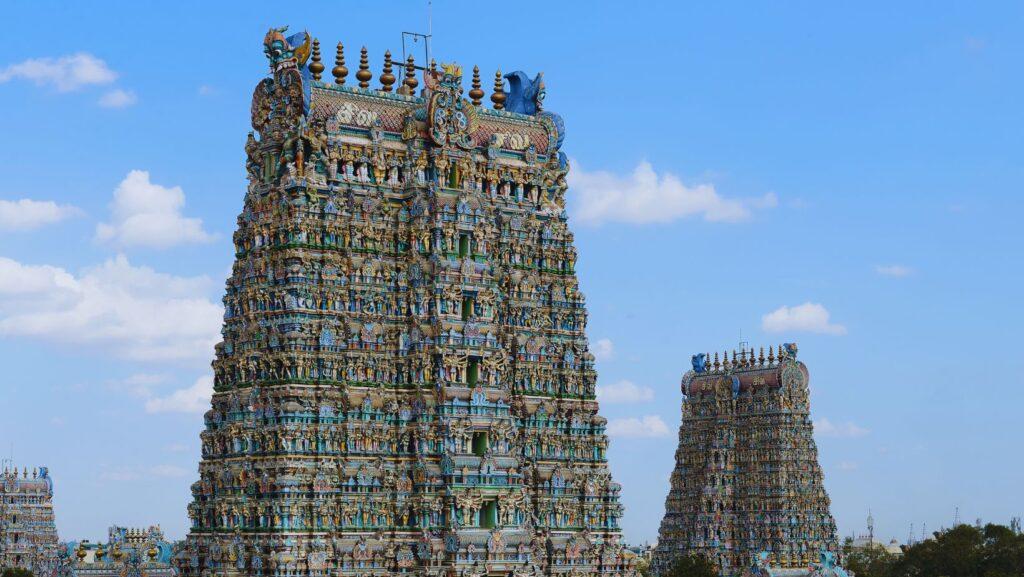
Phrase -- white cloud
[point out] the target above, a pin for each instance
(206, 90)
(139, 384)
(624, 392)
(64, 74)
(147, 214)
(603, 349)
(894, 270)
(28, 214)
(194, 399)
(808, 317)
(645, 197)
(132, 312)
(848, 465)
(117, 98)
(848, 430)
(646, 427)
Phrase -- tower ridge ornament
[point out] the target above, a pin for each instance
(451, 119)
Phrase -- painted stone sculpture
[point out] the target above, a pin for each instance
(404, 385)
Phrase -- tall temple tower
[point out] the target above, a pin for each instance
(28, 534)
(404, 384)
(747, 490)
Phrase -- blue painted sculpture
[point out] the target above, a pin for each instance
(700, 363)
(525, 96)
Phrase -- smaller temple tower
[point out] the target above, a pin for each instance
(747, 489)
(28, 534)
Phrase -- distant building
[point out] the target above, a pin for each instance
(642, 552)
(747, 489)
(128, 552)
(28, 534)
(864, 542)
(868, 541)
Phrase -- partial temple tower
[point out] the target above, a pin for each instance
(404, 385)
(747, 490)
(28, 533)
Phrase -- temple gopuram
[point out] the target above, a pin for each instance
(404, 385)
(128, 552)
(747, 490)
(28, 533)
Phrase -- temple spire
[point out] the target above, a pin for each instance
(410, 83)
(387, 78)
(339, 71)
(498, 98)
(476, 93)
(316, 67)
(364, 75)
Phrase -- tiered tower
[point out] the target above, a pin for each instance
(747, 490)
(404, 384)
(28, 534)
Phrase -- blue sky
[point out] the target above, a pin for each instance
(850, 179)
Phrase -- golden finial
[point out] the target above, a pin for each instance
(433, 67)
(316, 67)
(743, 357)
(387, 79)
(339, 71)
(771, 355)
(760, 357)
(410, 83)
(364, 75)
(476, 93)
(498, 98)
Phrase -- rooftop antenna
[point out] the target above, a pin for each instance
(910, 535)
(413, 38)
(871, 529)
(956, 517)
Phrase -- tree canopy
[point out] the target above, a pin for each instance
(692, 566)
(963, 551)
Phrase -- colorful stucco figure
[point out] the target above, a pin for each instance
(404, 384)
(747, 489)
